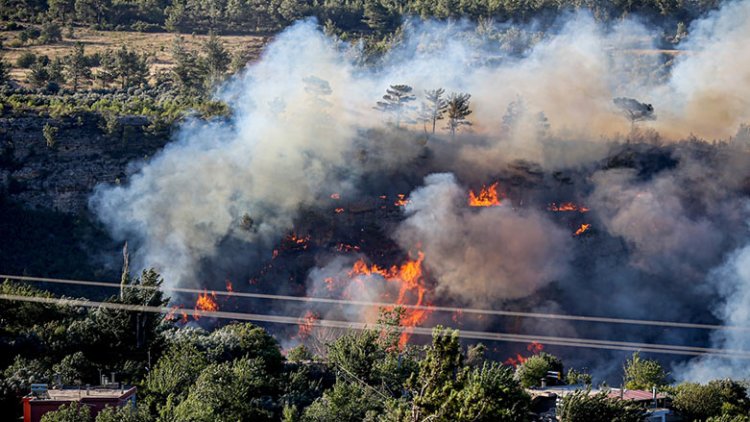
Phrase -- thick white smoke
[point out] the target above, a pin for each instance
(481, 255)
(711, 81)
(732, 281)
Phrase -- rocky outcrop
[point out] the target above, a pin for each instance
(58, 172)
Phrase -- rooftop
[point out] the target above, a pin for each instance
(564, 390)
(76, 394)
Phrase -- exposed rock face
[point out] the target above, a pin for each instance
(60, 177)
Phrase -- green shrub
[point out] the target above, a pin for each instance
(26, 60)
(582, 406)
(531, 372)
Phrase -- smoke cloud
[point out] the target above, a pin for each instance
(665, 208)
(481, 255)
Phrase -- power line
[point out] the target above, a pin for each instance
(308, 299)
(324, 323)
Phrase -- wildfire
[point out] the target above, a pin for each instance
(307, 324)
(338, 210)
(567, 207)
(335, 196)
(409, 279)
(344, 247)
(401, 201)
(534, 348)
(487, 197)
(206, 303)
(582, 229)
(230, 288)
(295, 242)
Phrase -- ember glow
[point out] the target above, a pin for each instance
(583, 228)
(401, 201)
(487, 197)
(567, 207)
(206, 303)
(344, 247)
(296, 242)
(534, 348)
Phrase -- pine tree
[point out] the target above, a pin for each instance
(434, 107)
(458, 109)
(38, 76)
(395, 101)
(188, 72)
(107, 73)
(77, 67)
(131, 68)
(216, 60)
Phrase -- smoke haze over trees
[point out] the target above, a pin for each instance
(494, 155)
(289, 146)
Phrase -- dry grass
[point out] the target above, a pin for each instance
(157, 45)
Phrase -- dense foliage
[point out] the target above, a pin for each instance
(582, 406)
(377, 17)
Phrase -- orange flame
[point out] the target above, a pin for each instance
(487, 197)
(401, 201)
(295, 242)
(335, 196)
(567, 207)
(534, 348)
(307, 324)
(582, 229)
(409, 279)
(170, 316)
(338, 210)
(205, 303)
(230, 288)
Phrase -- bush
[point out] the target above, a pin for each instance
(582, 406)
(72, 412)
(26, 60)
(51, 33)
(29, 34)
(530, 373)
(697, 402)
(141, 26)
(643, 374)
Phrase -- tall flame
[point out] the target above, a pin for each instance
(411, 289)
(206, 303)
(487, 197)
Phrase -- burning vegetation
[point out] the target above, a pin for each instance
(487, 197)
(205, 303)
